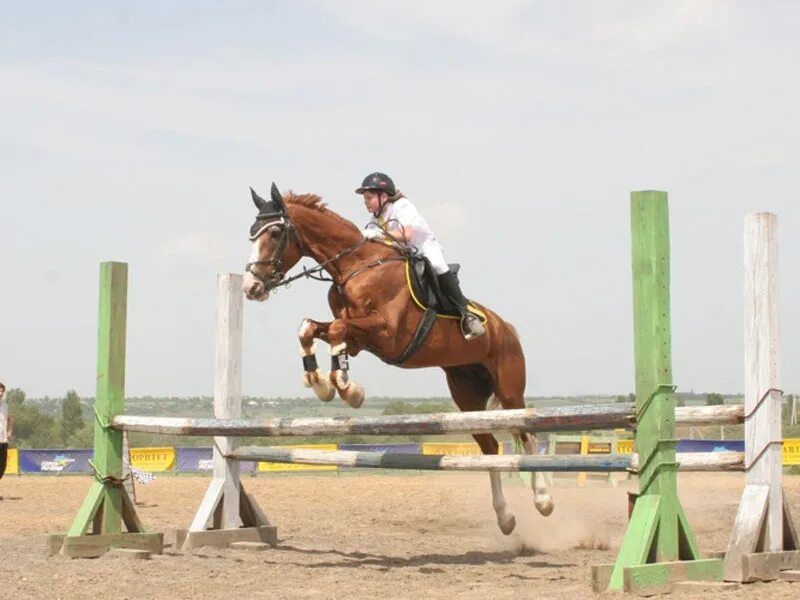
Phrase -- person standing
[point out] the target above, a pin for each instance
(5, 431)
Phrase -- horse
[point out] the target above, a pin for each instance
(373, 310)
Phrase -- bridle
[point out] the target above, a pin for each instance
(276, 277)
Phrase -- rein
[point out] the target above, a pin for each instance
(278, 279)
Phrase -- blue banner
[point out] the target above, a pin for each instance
(200, 460)
(710, 446)
(54, 462)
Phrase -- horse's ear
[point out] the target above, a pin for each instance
(277, 198)
(258, 200)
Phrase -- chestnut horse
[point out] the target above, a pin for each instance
(373, 310)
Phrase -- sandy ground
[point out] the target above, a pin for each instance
(358, 536)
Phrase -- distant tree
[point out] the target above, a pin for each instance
(621, 399)
(15, 396)
(398, 407)
(33, 428)
(71, 416)
(714, 399)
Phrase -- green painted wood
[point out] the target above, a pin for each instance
(660, 577)
(106, 506)
(658, 533)
(634, 551)
(85, 517)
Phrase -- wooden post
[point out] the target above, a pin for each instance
(227, 513)
(763, 529)
(108, 505)
(658, 548)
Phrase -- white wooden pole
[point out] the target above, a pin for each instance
(225, 488)
(227, 513)
(763, 523)
(228, 389)
(762, 430)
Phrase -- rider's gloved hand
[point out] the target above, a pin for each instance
(373, 234)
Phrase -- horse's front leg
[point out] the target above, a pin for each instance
(313, 376)
(342, 336)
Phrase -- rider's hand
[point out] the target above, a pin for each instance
(373, 234)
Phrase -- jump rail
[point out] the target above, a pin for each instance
(689, 461)
(573, 418)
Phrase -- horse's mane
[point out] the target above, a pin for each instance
(314, 202)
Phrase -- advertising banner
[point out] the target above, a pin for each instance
(624, 446)
(12, 464)
(710, 446)
(281, 467)
(454, 449)
(200, 460)
(55, 462)
(791, 452)
(153, 460)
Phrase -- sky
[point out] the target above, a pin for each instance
(132, 131)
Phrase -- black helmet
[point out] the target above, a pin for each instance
(379, 182)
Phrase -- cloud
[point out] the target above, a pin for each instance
(195, 249)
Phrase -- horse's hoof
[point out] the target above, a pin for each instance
(544, 504)
(324, 391)
(353, 394)
(507, 524)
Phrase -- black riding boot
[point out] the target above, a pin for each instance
(471, 325)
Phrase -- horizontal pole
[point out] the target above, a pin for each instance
(565, 418)
(602, 463)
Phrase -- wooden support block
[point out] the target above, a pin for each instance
(656, 578)
(130, 553)
(252, 546)
(93, 546)
(793, 575)
(54, 543)
(716, 554)
(601, 576)
(222, 538)
(766, 566)
(704, 586)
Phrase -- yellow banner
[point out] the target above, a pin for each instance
(153, 460)
(791, 452)
(453, 449)
(273, 467)
(599, 447)
(12, 464)
(624, 446)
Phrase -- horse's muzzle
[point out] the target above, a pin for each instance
(254, 289)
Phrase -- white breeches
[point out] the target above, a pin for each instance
(433, 252)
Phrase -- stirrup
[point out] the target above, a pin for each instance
(471, 326)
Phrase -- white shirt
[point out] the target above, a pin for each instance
(401, 213)
(3, 421)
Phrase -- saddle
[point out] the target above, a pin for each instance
(426, 293)
(428, 296)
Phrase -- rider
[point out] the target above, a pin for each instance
(395, 217)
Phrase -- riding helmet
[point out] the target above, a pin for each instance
(379, 182)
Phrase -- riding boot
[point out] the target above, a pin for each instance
(471, 325)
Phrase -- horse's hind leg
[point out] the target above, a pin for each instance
(505, 519)
(470, 388)
(509, 390)
(313, 376)
(541, 495)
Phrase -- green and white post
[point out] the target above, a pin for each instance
(658, 548)
(98, 524)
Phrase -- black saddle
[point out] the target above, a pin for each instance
(425, 288)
